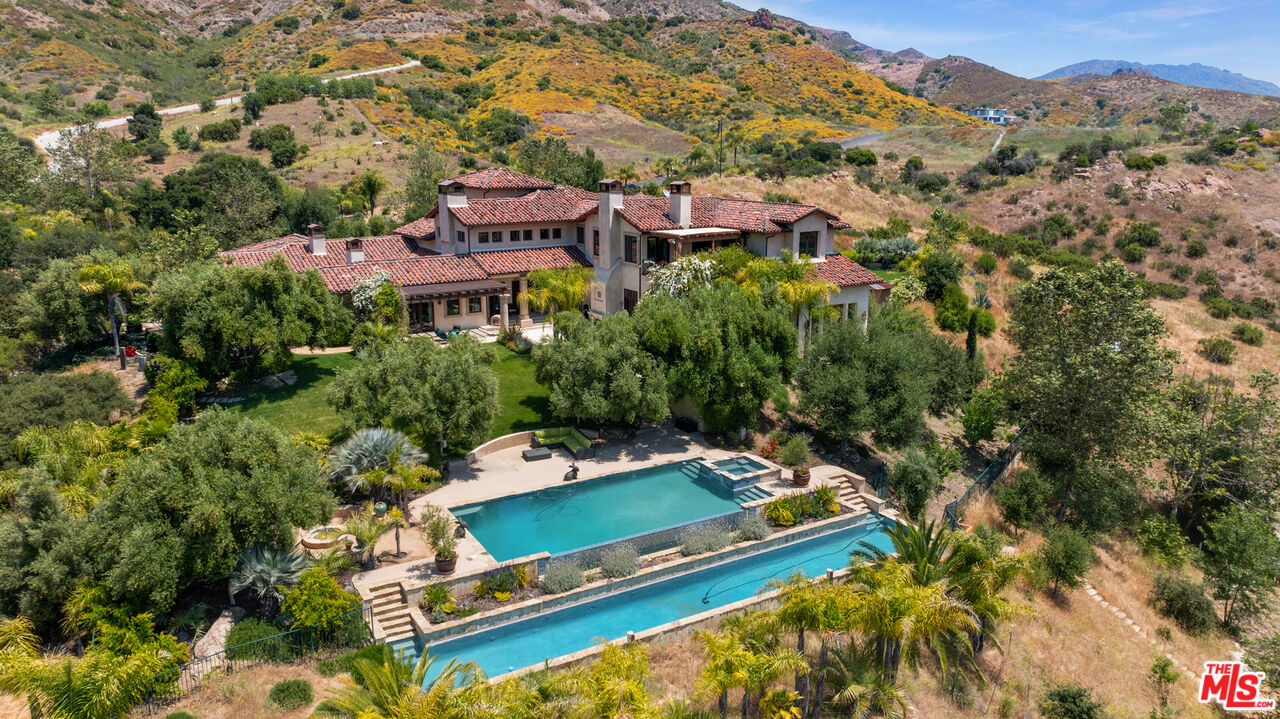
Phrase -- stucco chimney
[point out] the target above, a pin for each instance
(681, 196)
(316, 244)
(355, 250)
(610, 201)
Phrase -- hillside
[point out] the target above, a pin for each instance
(1195, 74)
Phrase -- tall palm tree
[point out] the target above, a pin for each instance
(371, 184)
(268, 572)
(393, 688)
(112, 279)
(862, 688)
(980, 577)
(797, 280)
(925, 546)
(627, 174)
(667, 166)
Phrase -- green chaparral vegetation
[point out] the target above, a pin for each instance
(125, 521)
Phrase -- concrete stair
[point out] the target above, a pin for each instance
(854, 493)
(393, 617)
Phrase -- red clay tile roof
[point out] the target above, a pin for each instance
(408, 264)
(844, 272)
(423, 228)
(497, 178)
(559, 204)
(649, 214)
(501, 262)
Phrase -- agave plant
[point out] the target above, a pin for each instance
(366, 459)
(980, 299)
(267, 572)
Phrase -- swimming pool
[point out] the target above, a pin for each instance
(583, 514)
(531, 641)
(738, 466)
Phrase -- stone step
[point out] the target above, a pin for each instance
(387, 601)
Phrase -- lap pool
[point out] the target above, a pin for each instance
(531, 641)
(583, 514)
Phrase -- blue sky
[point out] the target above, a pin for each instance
(1029, 38)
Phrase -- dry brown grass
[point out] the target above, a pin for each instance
(243, 695)
(1188, 323)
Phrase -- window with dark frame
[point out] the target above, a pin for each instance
(484, 237)
(544, 234)
(453, 307)
(528, 235)
(515, 236)
(809, 244)
(555, 233)
(473, 305)
(582, 235)
(462, 237)
(595, 243)
(632, 245)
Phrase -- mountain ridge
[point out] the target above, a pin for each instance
(1194, 75)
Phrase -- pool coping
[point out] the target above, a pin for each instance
(602, 586)
(661, 629)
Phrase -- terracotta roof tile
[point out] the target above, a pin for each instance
(844, 272)
(423, 228)
(559, 204)
(500, 262)
(497, 178)
(649, 214)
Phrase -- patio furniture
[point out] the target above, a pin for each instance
(569, 438)
(536, 453)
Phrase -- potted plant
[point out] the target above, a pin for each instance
(796, 454)
(447, 555)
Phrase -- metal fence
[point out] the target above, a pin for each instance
(983, 482)
(348, 631)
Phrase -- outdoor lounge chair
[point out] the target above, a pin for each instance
(569, 438)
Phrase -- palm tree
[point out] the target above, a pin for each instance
(761, 670)
(627, 174)
(79, 457)
(393, 688)
(267, 572)
(370, 185)
(370, 451)
(735, 139)
(111, 279)
(925, 547)
(723, 668)
(900, 615)
(367, 528)
(552, 290)
(863, 688)
(372, 338)
(979, 577)
(667, 166)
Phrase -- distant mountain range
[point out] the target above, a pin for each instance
(1196, 75)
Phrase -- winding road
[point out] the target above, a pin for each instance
(49, 140)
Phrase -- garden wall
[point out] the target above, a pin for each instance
(666, 538)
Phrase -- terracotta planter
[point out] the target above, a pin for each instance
(446, 566)
(800, 477)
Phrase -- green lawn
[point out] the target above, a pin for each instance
(522, 402)
(300, 407)
(890, 275)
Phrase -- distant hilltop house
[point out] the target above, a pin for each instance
(464, 263)
(995, 116)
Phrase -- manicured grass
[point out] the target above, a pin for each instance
(300, 407)
(890, 275)
(522, 403)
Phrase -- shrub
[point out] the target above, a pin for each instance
(1248, 333)
(255, 639)
(503, 580)
(179, 715)
(224, 131)
(705, 539)
(753, 529)
(795, 453)
(1201, 156)
(319, 601)
(779, 513)
(1160, 538)
(1197, 248)
(1022, 500)
(1019, 268)
(1218, 307)
(987, 264)
(915, 480)
(1184, 602)
(952, 310)
(860, 156)
(1218, 350)
(1139, 162)
(437, 595)
(1160, 159)
(1064, 557)
(1070, 701)
(981, 415)
(1133, 253)
(561, 577)
(985, 322)
(291, 694)
(619, 561)
(343, 663)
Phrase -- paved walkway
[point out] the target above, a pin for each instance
(505, 473)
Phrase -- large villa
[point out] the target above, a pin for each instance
(464, 264)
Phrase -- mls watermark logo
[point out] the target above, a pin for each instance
(1234, 687)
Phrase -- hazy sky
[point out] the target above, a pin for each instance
(1030, 38)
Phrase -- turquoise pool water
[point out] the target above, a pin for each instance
(531, 641)
(582, 514)
(739, 466)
